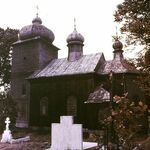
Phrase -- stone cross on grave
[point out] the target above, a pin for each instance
(7, 123)
(6, 136)
(66, 135)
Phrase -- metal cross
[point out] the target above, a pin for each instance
(116, 32)
(74, 23)
(37, 7)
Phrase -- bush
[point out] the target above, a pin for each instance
(126, 120)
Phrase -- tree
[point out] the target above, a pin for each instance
(7, 106)
(127, 119)
(134, 16)
(7, 37)
(7, 109)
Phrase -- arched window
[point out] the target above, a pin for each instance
(71, 106)
(44, 106)
(23, 89)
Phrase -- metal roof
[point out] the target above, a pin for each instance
(60, 67)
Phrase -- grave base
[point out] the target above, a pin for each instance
(6, 137)
(86, 145)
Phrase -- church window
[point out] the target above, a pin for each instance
(44, 106)
(71, 106)
(23, 89)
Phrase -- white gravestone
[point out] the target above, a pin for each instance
(66, 135)
(6, 136)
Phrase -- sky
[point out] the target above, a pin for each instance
(94, 20)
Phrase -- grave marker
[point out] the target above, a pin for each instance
(6, 136)
(66, 135)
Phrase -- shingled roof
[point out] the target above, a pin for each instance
(61, 67)
(99, 95)
(118, 66)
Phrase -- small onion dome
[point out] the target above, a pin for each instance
(37, 20)
(75, 37)
(117, 45)
(36, 29)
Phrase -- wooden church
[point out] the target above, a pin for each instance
(46, 87)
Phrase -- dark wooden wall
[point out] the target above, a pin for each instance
(58, 89)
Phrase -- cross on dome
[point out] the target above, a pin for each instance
(74, 23)
(37, 11)
(117, 32)
(75, 37)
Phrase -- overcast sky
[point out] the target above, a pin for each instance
(94, 20)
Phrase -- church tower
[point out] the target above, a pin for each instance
(33, 50)
(75, 45)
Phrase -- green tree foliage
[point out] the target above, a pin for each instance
(7, 109)
(134, 18)
(7, 37)
(127, 119)
(7, 106)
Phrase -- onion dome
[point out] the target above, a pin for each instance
(75, 45)
(118, 52)
(117, 45)
(36, 29)
(75, 37)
